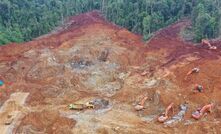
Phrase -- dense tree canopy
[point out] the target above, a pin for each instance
(23, 20)
(206, 19)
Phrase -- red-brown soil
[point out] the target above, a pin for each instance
(64, 67)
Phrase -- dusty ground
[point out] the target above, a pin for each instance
(93, 59)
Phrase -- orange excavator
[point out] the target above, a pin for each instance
(164, 116)
(194, 70)
(206, 42)
(140, 105)
(200, 112)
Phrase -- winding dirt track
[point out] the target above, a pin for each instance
(92, 59)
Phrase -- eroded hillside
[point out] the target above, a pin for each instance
(89, 59)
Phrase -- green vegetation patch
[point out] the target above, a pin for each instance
(23, 20)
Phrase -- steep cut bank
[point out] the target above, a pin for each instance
(90, 59)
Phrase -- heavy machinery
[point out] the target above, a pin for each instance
(194, 70)
(206, 42)
(140, 105)
(200, 112)
(198, 88)
(164, 116)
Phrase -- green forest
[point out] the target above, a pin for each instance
(23, 20)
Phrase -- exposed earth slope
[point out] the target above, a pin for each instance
(91, 59)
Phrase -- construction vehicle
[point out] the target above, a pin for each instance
(81, 106)
(200, 112)
(179, 116)
(164, 116)
(198, 88)
(194, 70)
(140, 105)
(206, 42)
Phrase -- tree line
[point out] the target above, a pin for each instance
(23, 20)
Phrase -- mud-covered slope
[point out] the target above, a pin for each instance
(90, 59)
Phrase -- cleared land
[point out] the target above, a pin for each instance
(90, 58)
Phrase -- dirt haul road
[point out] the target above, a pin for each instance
(90, 59)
